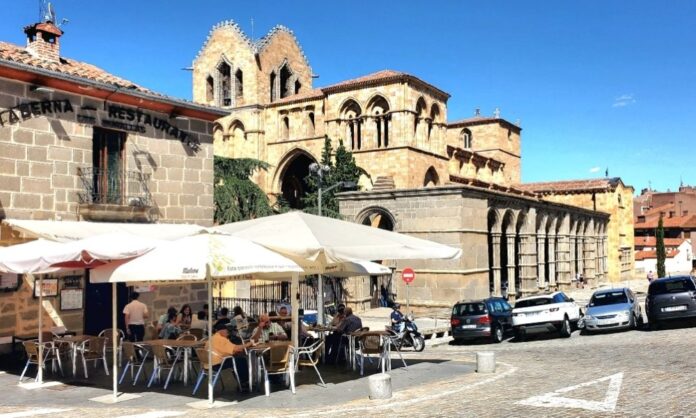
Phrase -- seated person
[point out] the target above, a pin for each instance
(305, 337)
(350, 324)
(170, 330)
(340, 315)
(268, 330)
(185, 316)
(222, 347)
(240, 318)
(223, 318)
(199, 321)
(164, 318)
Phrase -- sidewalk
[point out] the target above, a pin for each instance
(639, 287)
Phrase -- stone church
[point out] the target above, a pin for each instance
(456, 182)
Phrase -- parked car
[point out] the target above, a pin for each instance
(545, 313)
(484, 318)
(670, 298)
(613, 309)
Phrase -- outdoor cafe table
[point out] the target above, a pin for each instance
(184, 345)
(254, 360)
(73, 341)
(322, 331)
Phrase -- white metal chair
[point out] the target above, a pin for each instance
(32, 350)
(309, 356)
(136, 356)
(93, 348)
(163, 356)
(202, 354)
(107, 333)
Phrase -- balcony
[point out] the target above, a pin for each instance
(115, 196)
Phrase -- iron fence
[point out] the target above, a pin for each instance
(125, 188)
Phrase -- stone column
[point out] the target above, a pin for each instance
(581, 254)
(495, 263)
(528, 265)
(511, 265)
(563, 261)
(573, 255)
(589, 262)
(541, 259)
(552, 260)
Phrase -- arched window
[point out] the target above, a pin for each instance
(285, 83)
(312, 126)
(466, 138)
(273, 85)
(285, 128)
(431, 178)
(225, 84)
(351, 115)
(379, 109)
(434, 118)
(238, 84)
(420, 115)
(298, 86)
(209, 89)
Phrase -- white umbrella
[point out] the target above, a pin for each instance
(25, 258)
(197, 258)
(328, 241)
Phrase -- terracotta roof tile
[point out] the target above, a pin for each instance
(307, 95)
(567, 186)
(381, 76)
(688, 221)
(652, 242)
(642, 255)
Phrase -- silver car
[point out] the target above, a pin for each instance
(611, 309)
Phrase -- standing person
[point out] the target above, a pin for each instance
(384, 296)
(581, 281)
(185, 316)
(651, 276)
(135, 313)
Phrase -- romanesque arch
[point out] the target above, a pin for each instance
(291, 174)
(507, 252)
(220, 147)
(351, 116)
(420, 117)
(494, 252)
(377, 217)
(431, 178)
(378, 108)
(236, 131)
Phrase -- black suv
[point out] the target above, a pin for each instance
(670, 298)
(489, 318)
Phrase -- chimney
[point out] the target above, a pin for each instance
(43, 40)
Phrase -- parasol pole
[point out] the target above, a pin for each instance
(114, 343)
(40, 372)
(209, 278)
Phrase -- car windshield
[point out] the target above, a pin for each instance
(532, 302)
(672, 286)
(478, 308)
(609, 298)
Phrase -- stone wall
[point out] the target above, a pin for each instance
(40, 157)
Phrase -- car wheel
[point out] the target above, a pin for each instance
(565, 330)
(654, 325)
(519, 334)
(640, 324)
(497, 334)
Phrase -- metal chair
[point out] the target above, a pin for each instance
(369, 343)
(136, 355)
(202, 354)
(187, 337)
(197, 332)
(391, 339)
(281, 361)
(93, 348)
(32, 350)
(107, 333)
(309, 356)
(163, 361)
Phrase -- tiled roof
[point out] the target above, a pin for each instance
(17, 54)
(688, 221)
(383, 76)
(642, 255)
(300, 97)
(569, 186)
(652, 242)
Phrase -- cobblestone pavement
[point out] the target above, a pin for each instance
(635, 373)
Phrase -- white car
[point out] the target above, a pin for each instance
(545, 313)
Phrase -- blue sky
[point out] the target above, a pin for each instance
(595, 84)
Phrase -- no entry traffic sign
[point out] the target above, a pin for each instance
(407, 275)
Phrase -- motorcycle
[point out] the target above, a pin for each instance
(408, 336)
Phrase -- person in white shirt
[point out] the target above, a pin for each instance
(199, 321)
(135, 313)
(267, 331)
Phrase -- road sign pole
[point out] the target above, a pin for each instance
(408, 307)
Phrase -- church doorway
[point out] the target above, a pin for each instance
(292, 183)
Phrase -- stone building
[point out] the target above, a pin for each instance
(78, 143)
(457, 182)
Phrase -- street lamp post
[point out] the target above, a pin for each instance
(319, 171)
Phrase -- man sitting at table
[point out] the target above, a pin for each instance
(350, 323)
(268, 330)
(305, 337)
(222, 347)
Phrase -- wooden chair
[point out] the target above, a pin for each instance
(93, 348)
(136, 356)
(310, 356)
(281, 361)
(165, 359)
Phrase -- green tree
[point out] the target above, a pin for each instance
(235, 195)
(660, 247)
(342, 167)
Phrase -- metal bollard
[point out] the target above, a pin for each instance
(380, 386)
(485, 362)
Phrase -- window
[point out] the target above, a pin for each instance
(609, 298)
(497, 306)
(298, 86)
(533, 302)
(673, 286)
(285, 86)
(312, 126)
(239, 84)
(478, 308)
(209, 89)
(466, 139)
(107, 163)
(273, 85)
(225, 84)
(285, 128)
(560, 298)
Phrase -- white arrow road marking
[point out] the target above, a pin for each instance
(553, 400)
(33, 412)
(155, 414)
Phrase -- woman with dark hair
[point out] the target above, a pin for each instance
(170, 330)
(185, 316)
(240, 318)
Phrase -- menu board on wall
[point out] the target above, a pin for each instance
(9, 282)
(50, 287)
(71, 299)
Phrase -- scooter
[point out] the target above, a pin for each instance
(408, 336)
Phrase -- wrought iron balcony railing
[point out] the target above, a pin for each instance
(114, 187)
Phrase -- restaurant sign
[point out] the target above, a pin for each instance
(117, 117)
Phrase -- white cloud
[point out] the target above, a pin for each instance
(623, 100)
(595, 169)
